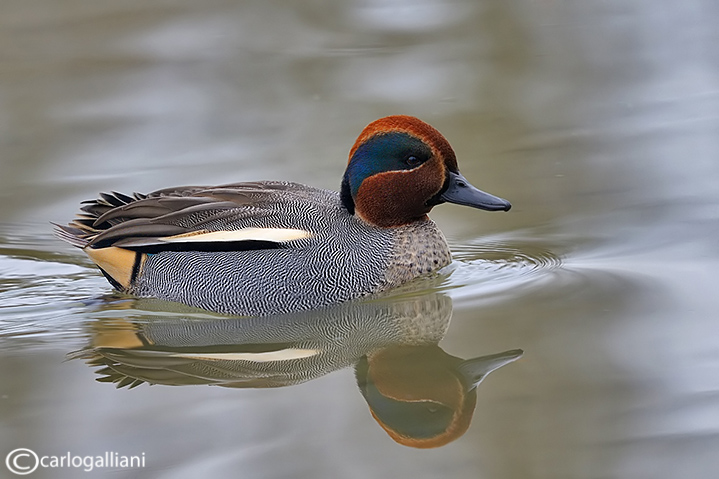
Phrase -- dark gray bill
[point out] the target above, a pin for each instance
(462, 193)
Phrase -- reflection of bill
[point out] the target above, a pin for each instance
(419, 394)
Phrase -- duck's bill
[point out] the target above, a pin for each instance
(461, 192)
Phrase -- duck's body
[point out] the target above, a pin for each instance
(273, 247)
(325, 264)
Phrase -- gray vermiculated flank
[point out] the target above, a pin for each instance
(345, 258)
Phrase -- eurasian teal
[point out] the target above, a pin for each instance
(272, 247)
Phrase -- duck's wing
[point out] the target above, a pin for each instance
(230, 217)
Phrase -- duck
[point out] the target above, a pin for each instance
(272, 247)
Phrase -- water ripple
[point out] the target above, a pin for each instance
(511, 258)
(41, 290)
(487, 266)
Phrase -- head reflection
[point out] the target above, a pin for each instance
(420, 395)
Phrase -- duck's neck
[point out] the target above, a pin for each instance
(346, 196)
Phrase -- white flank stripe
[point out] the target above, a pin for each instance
(282, 355)
(257, 234)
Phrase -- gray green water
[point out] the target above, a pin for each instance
(596, 119)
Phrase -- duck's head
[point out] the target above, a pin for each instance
(399, 168)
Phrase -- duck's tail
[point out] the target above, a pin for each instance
(81, 230)
(71, 234)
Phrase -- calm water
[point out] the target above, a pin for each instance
(596, 119)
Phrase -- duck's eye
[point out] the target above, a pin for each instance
(412, 161)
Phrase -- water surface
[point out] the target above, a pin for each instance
(597, 120)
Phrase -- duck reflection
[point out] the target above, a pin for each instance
(420, 395)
